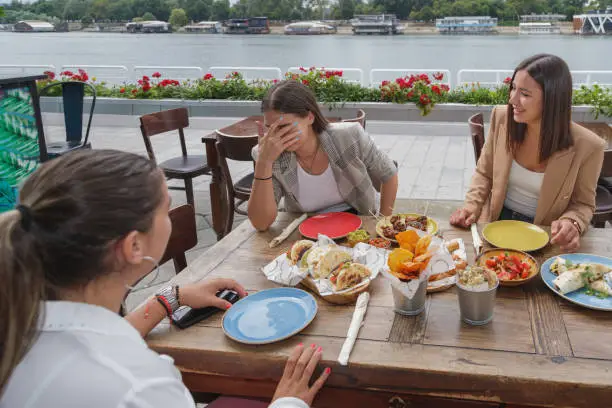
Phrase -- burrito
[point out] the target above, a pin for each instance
(579, 277)
(601, 286)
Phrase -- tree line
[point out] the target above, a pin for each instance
(182, 11)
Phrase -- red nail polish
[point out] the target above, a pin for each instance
(320, 349)
(228, 306)
(300, 345)
(327, 370)
(313, 345)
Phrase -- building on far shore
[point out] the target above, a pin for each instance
(148, 27)
(540, 24)
(30, 26)
(208, 27)
(594, 22)
(467, 25)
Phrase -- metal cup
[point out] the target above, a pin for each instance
(476, 307)
(410, 307)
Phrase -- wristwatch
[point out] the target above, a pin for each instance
(168, 297)
(575, 224)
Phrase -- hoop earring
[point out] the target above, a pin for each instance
(135, 288)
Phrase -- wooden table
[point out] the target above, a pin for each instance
(538, 351)
(218, 205)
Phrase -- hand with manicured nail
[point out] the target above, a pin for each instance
(298, 372)
(282, 135)
(204, 293)
(565, 234)
(462, 217)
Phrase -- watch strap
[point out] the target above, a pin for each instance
(168, 298)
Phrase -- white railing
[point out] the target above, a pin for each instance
(351, 75)
(483, 77)
(248, 73)
(603, 78)
(178, 73)
(8, 69)
(377, 76)
(115, 74)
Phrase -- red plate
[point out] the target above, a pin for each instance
(335, 225)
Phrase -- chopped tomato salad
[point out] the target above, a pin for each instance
(508, 267)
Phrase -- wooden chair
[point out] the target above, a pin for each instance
(603, 199)
(237, 148)
(183, 237)
(602, 130)
(185, 167)
(361, 118)
(476, 124)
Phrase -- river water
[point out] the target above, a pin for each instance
(339, 51)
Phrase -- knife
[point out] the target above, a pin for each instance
(476, 241)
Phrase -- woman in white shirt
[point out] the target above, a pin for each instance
(316, 166)
(89, 226)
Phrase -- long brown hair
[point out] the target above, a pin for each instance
(554, 77)
(294, 97)
(72, 209)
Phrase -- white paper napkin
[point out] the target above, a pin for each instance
(287, 231)
(360, 309)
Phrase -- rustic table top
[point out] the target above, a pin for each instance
(538, 350)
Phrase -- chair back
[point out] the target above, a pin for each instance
(236, 147)
(476, 124)
(606, 169)
(361, 118)
(162, 122)
(183, 237)
(73, 98)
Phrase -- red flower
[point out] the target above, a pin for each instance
(208, 76)
(424, 99)
(445, 87)
(424, 78)
(66, 73)
(134, 91)
(156, 75)
(436, 89)
(83, 75)
(438, 76)
(508, 81)
(275, 81)
(50, 75)
(312, 68)
(145, 78)
(410, 95)
(384, 83)
(302, 69)
(146, 87)
(140, 82)
(305, 82)
(122, 90)
(174, 82)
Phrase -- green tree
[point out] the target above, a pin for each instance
(121, 10)
(100, 9)
(199, 10)
(220, 10)
(1, 11)
(148, 16)
(346, 9)
(178, 18)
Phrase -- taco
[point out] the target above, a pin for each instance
(349, 274)
(298, 250)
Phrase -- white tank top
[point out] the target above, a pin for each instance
(319, 193)
(523, 190)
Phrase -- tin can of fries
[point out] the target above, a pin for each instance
(410, 306)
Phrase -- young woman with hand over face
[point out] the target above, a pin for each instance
(316, 166)
(89, 226)
(537, 165)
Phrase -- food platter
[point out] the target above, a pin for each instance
(527, 264)
(409, 219)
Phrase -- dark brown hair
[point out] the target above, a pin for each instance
(555, 79)
(294, 97)
(72, 210)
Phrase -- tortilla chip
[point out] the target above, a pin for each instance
(397, 257)
(422, 245)
(407, 240)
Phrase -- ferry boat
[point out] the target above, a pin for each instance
(467, 25)
(148, 27)
(207, 27)
(594, 22)
(384, 24)
(540, 24)
(252, 25)
(309, 28)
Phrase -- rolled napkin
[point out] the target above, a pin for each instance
(360, 309)
(288, 231)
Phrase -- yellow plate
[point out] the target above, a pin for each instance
(517, 235)
(432, 226)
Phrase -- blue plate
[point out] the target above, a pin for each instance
(270, 315)
(578, 297)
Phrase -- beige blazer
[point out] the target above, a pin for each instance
(570, 179)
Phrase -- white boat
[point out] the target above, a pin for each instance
(309, 28)
(467, 25)
(148, 27)
(540, 24)
(208, 27)
(376, 24)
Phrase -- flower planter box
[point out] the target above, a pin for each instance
(444, 112)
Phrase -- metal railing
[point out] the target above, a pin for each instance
(10, 69)
(351, 75)
(377, 76)
(115, 74)
(603, 78)
(178, 73)
(249, 73)
(483, 77)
